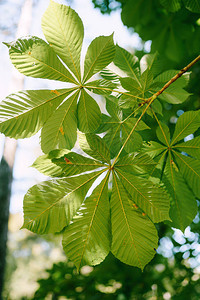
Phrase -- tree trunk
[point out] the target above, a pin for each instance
(5, 191)
(7, 162)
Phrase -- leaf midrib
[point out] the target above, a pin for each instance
(93, 216)
(36, 107)
(144, 197)
(56, 202)
(127, 224)
(48, 66)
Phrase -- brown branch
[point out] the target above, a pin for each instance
(179, 74)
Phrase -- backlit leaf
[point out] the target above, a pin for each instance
(23, 114)
(34, 57)
(64, 31)
(87, 239)
(134, 235)
(100, 53)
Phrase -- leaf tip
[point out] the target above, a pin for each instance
(7, 44)
(23, 227)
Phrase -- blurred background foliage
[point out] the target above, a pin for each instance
(37, 267)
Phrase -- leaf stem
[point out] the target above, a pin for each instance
(150, 100)
(111, 90)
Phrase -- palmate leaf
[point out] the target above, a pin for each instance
(187, 123)
(191, 147)
(89, 231)
(190, 169)
(64, 31)
(182, 172)
(100, 53)
(134, 237)
(118, 128)
(32, 56)
(94, 146)
(64, 163)
(148, 197)
(87, 240)
(145, 81)
(45, 165)
(60, 129)
(171, 5)
(51, 205)
(102, 86)
(127, 62)
(136, 163)
(89, 114)
(22, 114)
(172, 94)
(183, 204)
(192, 5)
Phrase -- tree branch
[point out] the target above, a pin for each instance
(179, 74)
(152, 98)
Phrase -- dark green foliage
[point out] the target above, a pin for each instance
(114, 280)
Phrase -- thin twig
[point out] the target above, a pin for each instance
(179, 74)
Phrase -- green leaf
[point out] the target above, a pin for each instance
(113, 140)
(101, 86)
(135, 140)
(187, 123)
(23, 114)
(192, 5)
(51, 205)
(136, 163)
(113, 109)
(109, 75)
(118, 130)
(153, 149)
(34, 57)
(146, 80)
(171, 5)
(149, 61)
(87, 239)
(72, 164)
(190, 169)
(45, 165)
(100, 53)
(153, 200)
(94, 146)
(174, 95)
(134, 235)
(89, 114)
(181, 82)
(131, 85)
(191, 147)
(157, 107)
(64, 31)
(163, 133)
(63, 163)
(60, 129)
(179, 173)
(183, 204)
(134, 143)
(127, 63)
